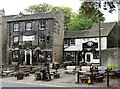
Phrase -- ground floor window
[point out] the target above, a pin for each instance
(88, 58)
(69, 56)
(96, 55)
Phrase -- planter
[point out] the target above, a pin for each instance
(19, 75)
(37, 76)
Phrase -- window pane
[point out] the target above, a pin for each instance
(96, 55)
(48, 39)
(42, 25)
(42, 39)
(66, 41)
(28, 26)
(72, 41)
(16, 27)
(88, 58)
(16, 39)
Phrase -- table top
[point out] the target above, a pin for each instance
(8, 71)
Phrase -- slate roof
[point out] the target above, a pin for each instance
(93, 32)
(23, 17)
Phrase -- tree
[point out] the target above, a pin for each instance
(108, 5)
(86, 18)
(80, 22)
(90, 14)
(44, 8)
(40, 8)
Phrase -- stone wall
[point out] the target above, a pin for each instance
(110, 56)
(2, 13)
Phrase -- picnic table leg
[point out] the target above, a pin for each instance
(77, 77)
(108, 78)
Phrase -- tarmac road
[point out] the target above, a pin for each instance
(13, 85)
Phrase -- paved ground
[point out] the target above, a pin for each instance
(66, 80)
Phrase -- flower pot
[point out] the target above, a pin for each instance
(37, 76)
(19, 75)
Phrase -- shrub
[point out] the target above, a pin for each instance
(112, 67)
(37, 76)
(19, 75)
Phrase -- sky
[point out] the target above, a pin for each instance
(13, 7)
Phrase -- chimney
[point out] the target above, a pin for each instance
(2, 12)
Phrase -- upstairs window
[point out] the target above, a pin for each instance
(48, 40)
(96, 55)
(66, 42)
(42, 39)
(16, 27)
(42, 25)
(72, 41)
(28, 26)
(15, 39)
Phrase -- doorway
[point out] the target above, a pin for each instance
(88, 57)
(28, 59)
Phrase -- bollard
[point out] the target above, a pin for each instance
(77, 77)
(90, 80)
(107, 78)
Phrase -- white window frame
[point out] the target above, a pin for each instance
(16, 39)
(16, 27)
(66, 42)
(71, 43)
(41, 38)
(41, 25)
(28, 26)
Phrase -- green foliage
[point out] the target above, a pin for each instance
(19, 75)
(83, 20)
(112, 67)
(40, 8)
(37, 75)
(44, 8)
(80, 22)
(68, 12)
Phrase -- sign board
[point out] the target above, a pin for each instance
(28, 38)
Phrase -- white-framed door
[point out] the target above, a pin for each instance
(28, 53)
(88, 57)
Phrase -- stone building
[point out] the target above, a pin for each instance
(85, 45)
(34, 37)
(2, 13)
(4, 37)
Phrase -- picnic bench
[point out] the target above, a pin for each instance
(70, 69)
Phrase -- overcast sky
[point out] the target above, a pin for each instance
(13, 7)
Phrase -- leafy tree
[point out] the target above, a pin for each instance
(44, 8)
(80, 22)
(40, 8)
(88, 15)
(68, 12)
(86, 18)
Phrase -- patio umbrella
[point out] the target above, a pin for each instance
(37, 49)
